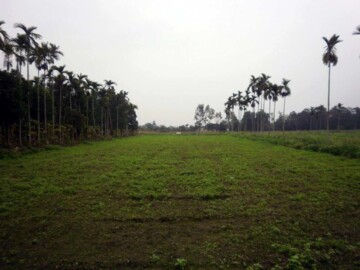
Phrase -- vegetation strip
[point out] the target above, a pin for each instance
(74, 209)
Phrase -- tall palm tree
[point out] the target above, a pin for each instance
(37, 56)
(30, 38)
(51, 81)
(276, 92)
(61, 78)
(19, 46)
(3, 35)
(53, 53)
(8, 49)
(94, 93)
(240, 100)
(269, 95)
(262, 87)
(252, 101)
(285, 91)
(339, 109)
(230, 104)
(253, 86)
(72, 83)
(330, 58)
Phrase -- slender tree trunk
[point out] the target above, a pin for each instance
(93, 111)
(274, 116)
(101, 120)
(110, 122)
(269, 114)
(53, 108)
(261, 115)
(257, 119)
(117, 121)
(60, 99)
(253, 120)
(87, 116)
(338, 121)
(284, 115)
(70, 100)
(45, 111)
(328, 102)
(20, 139)
(29, 100)
(38, 107)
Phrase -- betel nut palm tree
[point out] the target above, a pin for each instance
(285, 91)
(30, 42)
(330, 58)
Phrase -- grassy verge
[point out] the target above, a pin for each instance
(167, 201)
(337, 143)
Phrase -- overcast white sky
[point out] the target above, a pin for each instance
(172, 55)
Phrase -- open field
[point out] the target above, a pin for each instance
(189, 201)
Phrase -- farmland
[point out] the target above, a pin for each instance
(189, 201)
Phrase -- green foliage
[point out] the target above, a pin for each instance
(220, 201)
(180, 263)
(336, 143)
(154, 258)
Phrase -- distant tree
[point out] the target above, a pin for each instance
(3, 36)
(285, 91)
(60, 81)
(330, 58)
(8, 49)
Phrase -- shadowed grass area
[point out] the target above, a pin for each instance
(166, 201)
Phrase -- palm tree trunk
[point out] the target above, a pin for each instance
(53, 108)
(328, 102)
(274, 116)
(93, 111)
(257, 119)
(101, 119)
(20, 139)
(253, 118)
(38, 107)
(29, 100)
(117, 121)
(60, 99)
(269, 113)
(261, 115)
(284, 115)
(87, 115)
(45, 116)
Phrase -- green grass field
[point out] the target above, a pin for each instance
(185, 202)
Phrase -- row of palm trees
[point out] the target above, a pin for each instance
(77, 103)
(259, 91)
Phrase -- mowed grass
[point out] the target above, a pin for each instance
(188, 201)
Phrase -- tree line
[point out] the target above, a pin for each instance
(57, 105)
(313, 118)
(261, 90)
